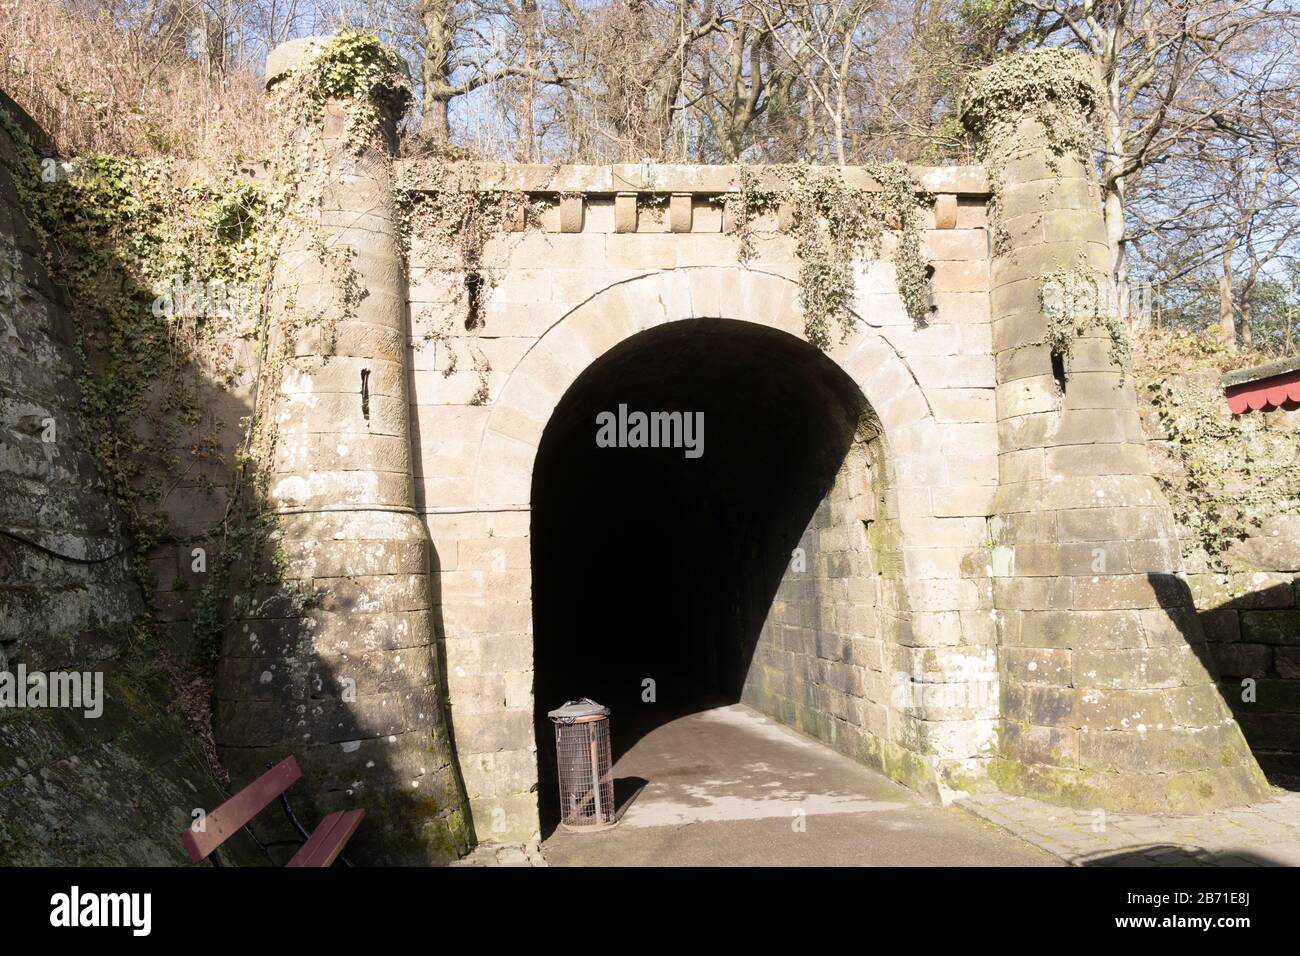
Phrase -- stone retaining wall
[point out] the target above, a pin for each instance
(120, 787)
(1249, 603)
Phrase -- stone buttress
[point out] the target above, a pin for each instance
(335, 662)
(1106, 697)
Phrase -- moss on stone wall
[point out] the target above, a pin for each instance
(112, 791)
(75, 790)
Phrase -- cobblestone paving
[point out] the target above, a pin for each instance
(1262, 834)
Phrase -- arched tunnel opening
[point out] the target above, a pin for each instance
(667, 580)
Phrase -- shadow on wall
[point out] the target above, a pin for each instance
(329, 650)
(75, 789)
(348, 718)
(1266, 707)
(154, 763)
(1254, 641)
(661, 581)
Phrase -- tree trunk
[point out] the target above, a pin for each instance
(525, 150)
(1113, 188)
(436, 121)
(1227, 322)
(435, 69)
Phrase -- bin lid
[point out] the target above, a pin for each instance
(573, 710)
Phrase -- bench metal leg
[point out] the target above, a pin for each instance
(297, 825)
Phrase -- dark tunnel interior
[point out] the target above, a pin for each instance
(649, 565)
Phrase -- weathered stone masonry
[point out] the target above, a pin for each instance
(992, 593)
(1107, 696)
(346, 681)
(984, 646)
(74, 790)
(564, 298)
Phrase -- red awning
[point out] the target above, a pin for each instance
(1265, 394)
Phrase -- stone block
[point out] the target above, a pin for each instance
(1036, 665)
(680, 212)
(1271, 627)
(1027, 465)
(954, 371)
(1242, 660)
(1078, 629)
(641, 251)
(963, 404)
(960, 276)
(1262, 590)
(945, 211)
(1081, 460)
(625, 212)
(962, 501)
(1287, 662)
(1027, 744)
(1138, 668)
(960, 308)
(572, 210)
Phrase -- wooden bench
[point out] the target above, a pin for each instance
(320, 848)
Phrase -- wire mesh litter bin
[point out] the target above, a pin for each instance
(583, 760)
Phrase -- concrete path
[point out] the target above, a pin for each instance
(1262, 834)
(728, 786)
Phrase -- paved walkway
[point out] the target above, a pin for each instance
(1264, 834)
(504, 854)
(728, 786)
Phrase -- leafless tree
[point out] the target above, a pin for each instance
(1174, 71)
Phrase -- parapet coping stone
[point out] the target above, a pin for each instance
(1257, 373)
(423, 175)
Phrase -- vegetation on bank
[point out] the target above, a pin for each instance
(168, 266)
(1226, 476)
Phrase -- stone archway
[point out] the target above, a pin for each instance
(939, 669)
(725, 538)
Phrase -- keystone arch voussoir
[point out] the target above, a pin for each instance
(619, 311)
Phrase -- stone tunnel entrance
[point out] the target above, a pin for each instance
(753, 567)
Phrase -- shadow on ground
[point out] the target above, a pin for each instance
(1166, 854)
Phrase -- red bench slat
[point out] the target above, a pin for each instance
(328, 839)
(222, 822)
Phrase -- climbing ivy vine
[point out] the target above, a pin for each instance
(1060, 91)
(157, 267)
(352, 68)
(1227, 474)
(1058, 88)
(463, 217)
(129, 238)
(836, 226)
(1077, 301)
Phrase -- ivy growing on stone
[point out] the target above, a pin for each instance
(128, 240)
(464, 217)
(1046, 98)
(1232, 472)
(1058, 89)
(1077, 301)
(837, 226)
(353, 68)
(119, 233)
